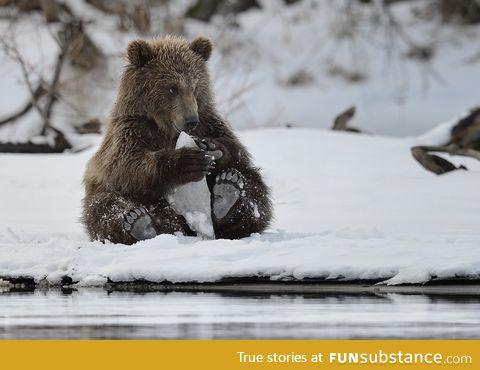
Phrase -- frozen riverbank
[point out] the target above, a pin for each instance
(348, 207)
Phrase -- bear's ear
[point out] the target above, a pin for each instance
(139, 53)
(202, 46)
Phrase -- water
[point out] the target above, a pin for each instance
(98, 314)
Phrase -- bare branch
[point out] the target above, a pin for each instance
(39, 92)
(11, 50)
(53, 92)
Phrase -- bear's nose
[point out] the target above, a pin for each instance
(191, 123)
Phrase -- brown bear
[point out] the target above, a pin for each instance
(166, 89)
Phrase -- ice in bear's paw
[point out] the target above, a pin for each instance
(192, 200)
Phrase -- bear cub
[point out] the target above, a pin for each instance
(166, 89)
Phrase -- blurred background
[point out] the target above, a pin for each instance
(407, 65)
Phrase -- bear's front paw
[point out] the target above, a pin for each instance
(138, 224)
(216, 149)
(229, 187)
(194, 164)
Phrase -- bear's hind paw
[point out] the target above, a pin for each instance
(229, 187)
(138, 224)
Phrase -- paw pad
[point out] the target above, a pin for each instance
(229, 187)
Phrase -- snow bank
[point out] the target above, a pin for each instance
(344, 255)
(351, 207)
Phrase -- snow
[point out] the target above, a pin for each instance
(347, 207)
(192, 200)
(399, 96)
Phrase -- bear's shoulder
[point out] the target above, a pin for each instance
(138, 132)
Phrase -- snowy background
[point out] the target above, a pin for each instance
(299, 64)
(347, 206)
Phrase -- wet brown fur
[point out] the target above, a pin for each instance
(136, 164)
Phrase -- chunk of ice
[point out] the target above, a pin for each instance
(192, 200)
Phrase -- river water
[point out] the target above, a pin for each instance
(98, 314)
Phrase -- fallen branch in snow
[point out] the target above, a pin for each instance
(452, 149)
(341, 121)
(434, 163)
(61, 144)
(465, 141)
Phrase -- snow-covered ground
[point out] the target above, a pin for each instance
(347, 207)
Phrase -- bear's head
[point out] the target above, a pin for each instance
(167, 80)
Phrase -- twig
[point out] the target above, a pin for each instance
(61, 143)
(39, 92)
(12, 51)
(52, 92)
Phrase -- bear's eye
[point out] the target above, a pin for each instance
(173, 90)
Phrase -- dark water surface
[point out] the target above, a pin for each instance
(98, 314)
